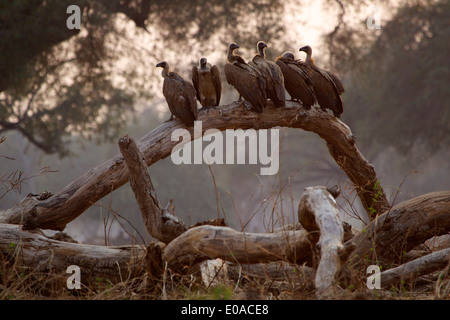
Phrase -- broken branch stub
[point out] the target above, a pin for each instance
(161, 224)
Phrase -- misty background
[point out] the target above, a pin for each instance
(67, 96)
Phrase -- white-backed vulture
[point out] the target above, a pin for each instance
(327, 91)
(180, 96)
(297, 81)
(245, 79)
(272, 74)
(207, 83)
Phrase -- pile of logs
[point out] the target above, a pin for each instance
(320, 241)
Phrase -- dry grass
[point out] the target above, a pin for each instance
(19, 283)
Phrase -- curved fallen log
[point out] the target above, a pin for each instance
(211, 242)
(47, 256)
(56, 211)
(400, 229)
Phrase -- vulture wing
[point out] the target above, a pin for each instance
(297, 82)
(217, 81)
(248, 83)
(180, 96)
(195, 81)
(327, 92)
(337, 81)
(274, 79)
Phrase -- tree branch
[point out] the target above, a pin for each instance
(75, 198)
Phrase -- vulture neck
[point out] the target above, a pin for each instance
(231, 56)
(309, 59)
(165, 71)
(261, 52)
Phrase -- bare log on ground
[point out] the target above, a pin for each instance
(59, 209)
(48, 256)
(160, 223)
(211, 242)
(270, 271)
(317, 211)
(400, 229)
(412, 270)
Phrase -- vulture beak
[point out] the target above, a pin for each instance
(306, 49)
(161, 64)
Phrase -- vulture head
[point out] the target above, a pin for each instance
(165, 67)
(260, 47)
(288, 55)
(203, 62)
(308, 51)
(231, 47)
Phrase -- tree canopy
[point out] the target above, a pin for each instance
(58, 82)
(397, 88)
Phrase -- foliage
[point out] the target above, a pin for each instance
(58, 82)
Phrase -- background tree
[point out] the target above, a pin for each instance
(58, 82)
(397, 77)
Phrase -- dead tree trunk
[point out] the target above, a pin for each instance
(56, 211)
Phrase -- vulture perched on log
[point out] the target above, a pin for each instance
(272, 75)
(207, 83)
(180, 96)
(327, 86)
(297, 81)
(245, 79)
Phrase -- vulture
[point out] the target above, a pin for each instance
(245, 79)
(327, 86)
(180, 96)
(272, 75)
(207, 83)
(297, 81)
